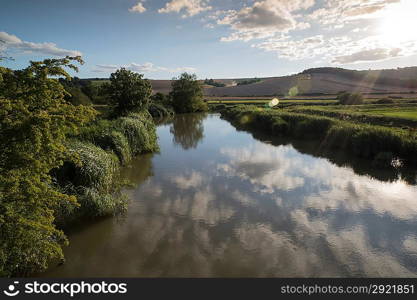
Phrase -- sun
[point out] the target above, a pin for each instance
(399, 23)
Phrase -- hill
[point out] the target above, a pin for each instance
(317, 81)
(327, 81)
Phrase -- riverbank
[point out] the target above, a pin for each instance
(381, 144)
(100, 150)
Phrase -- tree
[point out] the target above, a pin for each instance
(187, 94)
(34, 122)
(350, 99)
(129, 91)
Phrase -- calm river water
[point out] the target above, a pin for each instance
(217, 202)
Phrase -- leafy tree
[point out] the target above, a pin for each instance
(34, 122)
(350, 99)
(128, 91)
(187, 94)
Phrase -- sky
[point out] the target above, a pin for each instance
(211, 38)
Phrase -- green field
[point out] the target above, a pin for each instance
(389, 112)
(406, 113)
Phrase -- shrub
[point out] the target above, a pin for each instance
(350, 99)
(125, 136)
(339, 136)
(157, 110)
(162, 99)
(385, 101)
(95, 167)
(140, 132)
(92, 178)
(105, 135)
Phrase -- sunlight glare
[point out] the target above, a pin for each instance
(399, 24)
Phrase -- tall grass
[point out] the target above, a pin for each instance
(140, 132)
(99, 152)
(125, 136)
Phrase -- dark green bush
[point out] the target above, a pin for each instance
(350, 99)
(158, 110)
(385, 101)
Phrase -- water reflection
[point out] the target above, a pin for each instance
(188, 130)
(341, 158)
(238, 207)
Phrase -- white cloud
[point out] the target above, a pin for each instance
(263, 167)
(339, 12)
(368, 55)
(340, 50)
(294, 49)
(264, 19)
(190, 7)
(141, 68)
(13, 42)
(344, 32)
(139, 8)
(193, 180)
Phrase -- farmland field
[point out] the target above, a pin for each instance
(400, 111)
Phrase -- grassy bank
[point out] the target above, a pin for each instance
(100, 150)
(377, 143)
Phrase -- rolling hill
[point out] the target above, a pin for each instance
(318, 81)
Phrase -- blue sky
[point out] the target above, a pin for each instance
(214, 39)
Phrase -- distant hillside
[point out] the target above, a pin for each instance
(402, 77)
(317, 81)
(327, 81)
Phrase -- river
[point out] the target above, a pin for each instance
(216, 202)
